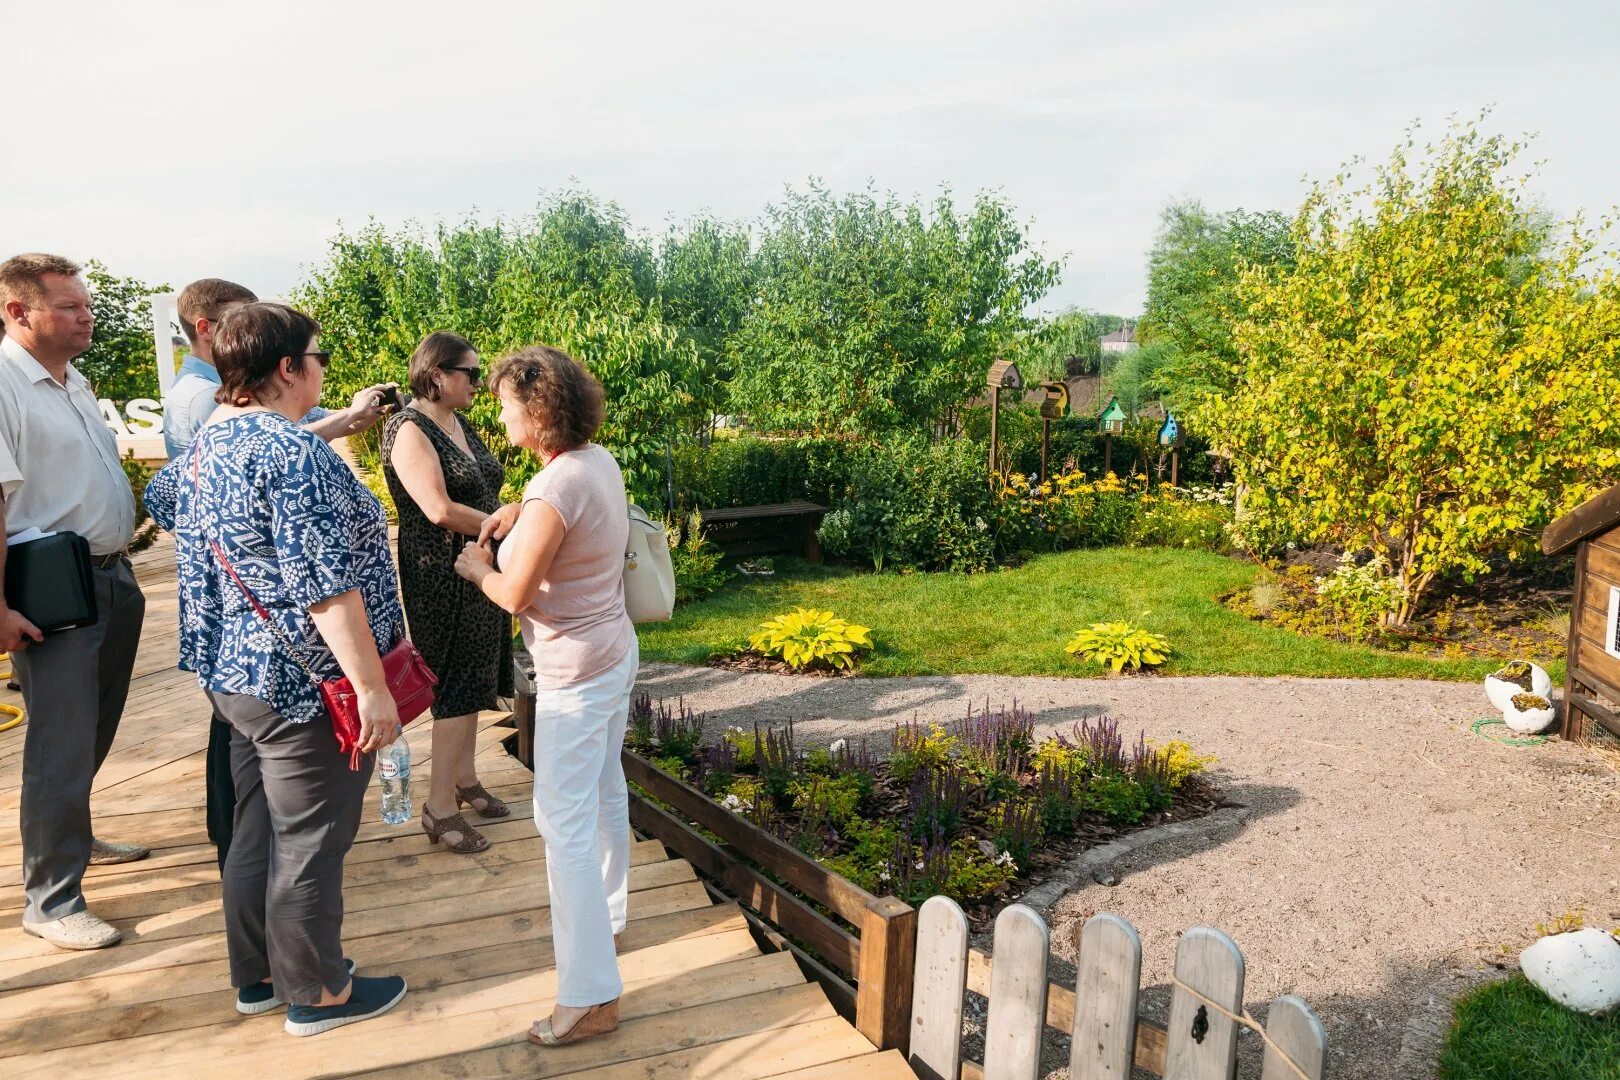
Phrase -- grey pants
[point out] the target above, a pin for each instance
(298, 807)
(74, 684)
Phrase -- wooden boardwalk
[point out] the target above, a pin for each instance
(470, 934)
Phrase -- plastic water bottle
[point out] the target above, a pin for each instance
(394, 772)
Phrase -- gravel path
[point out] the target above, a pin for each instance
(1390, 859)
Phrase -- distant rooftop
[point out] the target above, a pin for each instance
(1125, 335)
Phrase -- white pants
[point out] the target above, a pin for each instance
(582, 809)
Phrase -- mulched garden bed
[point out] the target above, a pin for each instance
(750, 661)
(977, 810)
(1516, 612)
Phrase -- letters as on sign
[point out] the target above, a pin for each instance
(141, 416)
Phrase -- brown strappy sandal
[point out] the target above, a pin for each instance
(600, 1020)
(472, 841)
(493, 807)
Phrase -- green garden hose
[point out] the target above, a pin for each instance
(1505, 740)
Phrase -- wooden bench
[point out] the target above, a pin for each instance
(780, 528)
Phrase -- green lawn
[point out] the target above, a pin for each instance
(1016, 622)
(1509, 1030)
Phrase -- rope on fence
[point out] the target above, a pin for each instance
(1247, 1021)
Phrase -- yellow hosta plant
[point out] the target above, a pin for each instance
(804, 637)
(1119, 645)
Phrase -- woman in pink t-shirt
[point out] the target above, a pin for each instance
(561, 571)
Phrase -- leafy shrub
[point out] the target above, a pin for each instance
(639, 733)
(1192, 519)
(698, 563)
(1056, 753)
(1060, 796)
(839, 798)
(1016, 829)
(908, 504)
(916, 749)
(139, 475)
(938, 803)
(1117, 796)
(1360, 599)
(749, 471)
(1180, 761)
(778, 760)
(746, 742)
(1119, 645)
(805, 637)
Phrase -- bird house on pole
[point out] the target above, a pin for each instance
(1054, 404)
(1110, 423)
(1004, 375)
(1171, 437)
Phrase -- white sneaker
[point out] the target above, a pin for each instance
(81, 930)
(105, 853)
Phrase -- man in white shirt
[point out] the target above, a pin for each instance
(59, 472)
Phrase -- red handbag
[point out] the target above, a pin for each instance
(410, 680)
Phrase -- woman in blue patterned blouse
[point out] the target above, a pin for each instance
(311, 543)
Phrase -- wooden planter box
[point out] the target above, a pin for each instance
(858, 946)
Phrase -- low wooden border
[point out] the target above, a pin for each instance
(763, 874)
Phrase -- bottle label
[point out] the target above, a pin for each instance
(387, 768)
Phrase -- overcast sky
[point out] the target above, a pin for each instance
(175, 140)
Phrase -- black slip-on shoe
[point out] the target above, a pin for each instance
(261, 997)
(367, 998)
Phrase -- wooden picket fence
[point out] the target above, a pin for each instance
(1099, 1014)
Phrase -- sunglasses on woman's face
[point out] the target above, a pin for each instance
(474, 374)
(322, 358)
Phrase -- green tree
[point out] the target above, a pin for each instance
(1433, 377)
(874, 316)
(121, 362)
(1069, 343)
(572, 276)
(1193, 300)
(706, 282)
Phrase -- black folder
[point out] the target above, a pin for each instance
(51, 582)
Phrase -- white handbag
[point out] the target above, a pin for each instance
(649, 574)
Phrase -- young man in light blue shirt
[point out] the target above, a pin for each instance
(190, 400)
(186, 409)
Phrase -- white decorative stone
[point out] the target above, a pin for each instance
(1501, 692)
(1579, 970)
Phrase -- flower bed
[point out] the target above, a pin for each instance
(976, 810)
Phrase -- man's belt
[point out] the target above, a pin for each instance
(107, 562)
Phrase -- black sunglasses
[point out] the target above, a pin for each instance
(474, 374)
(322, 358)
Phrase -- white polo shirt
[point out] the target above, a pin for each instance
(59, 468)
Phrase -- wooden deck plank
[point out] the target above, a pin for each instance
(476, 971)
(759, 1053)
(700, 1019)
(888, 1065)
(528, 947)
(658, 1009)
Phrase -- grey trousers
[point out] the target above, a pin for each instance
(74, 683)
(298, 806)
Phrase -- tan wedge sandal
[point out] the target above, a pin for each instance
(600, 1020)
(493, 807)
(472, 841)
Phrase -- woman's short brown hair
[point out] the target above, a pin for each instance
(565, 403)
(439, 350)
(250, 343)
